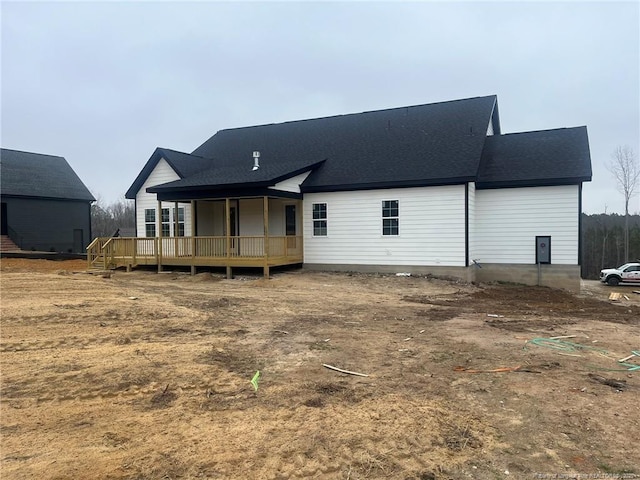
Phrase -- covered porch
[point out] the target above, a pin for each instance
(241, 231)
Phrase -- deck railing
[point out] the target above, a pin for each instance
(107, 252)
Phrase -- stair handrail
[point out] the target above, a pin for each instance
(96, 249)
(15, 237)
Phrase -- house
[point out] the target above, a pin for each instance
(433, 188)
(45, 206)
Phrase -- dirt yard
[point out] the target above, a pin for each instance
(147, 376)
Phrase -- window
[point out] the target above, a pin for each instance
(390, 217)
(319, 219)
(180, 229)
(166, 225)
(150, 222)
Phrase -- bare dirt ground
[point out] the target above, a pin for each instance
(147, 376)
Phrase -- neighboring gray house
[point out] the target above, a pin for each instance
(45, 206)
(434, 188)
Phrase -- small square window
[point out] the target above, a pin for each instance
(149, 215)
(390, 226)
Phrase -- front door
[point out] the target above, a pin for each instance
(3, 220)
(78, 240)
(290, 225)
(233, 229)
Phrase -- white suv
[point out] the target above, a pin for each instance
(627, 273)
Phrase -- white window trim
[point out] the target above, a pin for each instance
(326, 220)
(383, 218)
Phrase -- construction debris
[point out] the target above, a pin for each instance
(495, 370)
(331, 367)
(615, 296)
(617, 384)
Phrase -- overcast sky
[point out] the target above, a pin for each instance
(104, 84)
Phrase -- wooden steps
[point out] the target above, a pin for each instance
(7, 245)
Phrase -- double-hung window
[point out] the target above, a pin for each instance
(319, 219)
(150, 222)
(390, 217)
(166, 222)
(179, 232)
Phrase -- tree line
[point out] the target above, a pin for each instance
(107, 219)
(603, 242)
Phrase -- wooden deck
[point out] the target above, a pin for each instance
(241, 251)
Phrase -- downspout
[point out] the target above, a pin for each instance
(580, 228)
(466, 224)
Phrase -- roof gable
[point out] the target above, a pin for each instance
(184, 164)
(28, 174)
(546, 157)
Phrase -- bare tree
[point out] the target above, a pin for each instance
(625, 169)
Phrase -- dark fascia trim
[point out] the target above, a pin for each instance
(550, 182)
(221, 194)
(143, 175)
(32, 197)
(386, 185)
(293, 173)
(159, 189)
(135, 210)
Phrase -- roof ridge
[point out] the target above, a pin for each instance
(543, 130)
(355, 113)
(184, 153)
(33, 153)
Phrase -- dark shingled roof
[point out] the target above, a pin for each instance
(409, 146)
(28, 174)
(434, 144)
(547, 157)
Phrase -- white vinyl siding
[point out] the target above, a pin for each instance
(431, 228)
(509, 219)
(291, 184)
(162, 173)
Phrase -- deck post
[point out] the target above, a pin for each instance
(135, 251)
(176, 229)
(194, 232)
(265, 216)
(227, 213)
(159, 236)
(229, 272)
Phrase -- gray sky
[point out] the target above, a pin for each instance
(103, 84)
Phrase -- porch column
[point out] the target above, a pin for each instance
(300, 232)
(265, 216)
(227, 208)
(159, 235)
(175, 229)
(194, 232)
